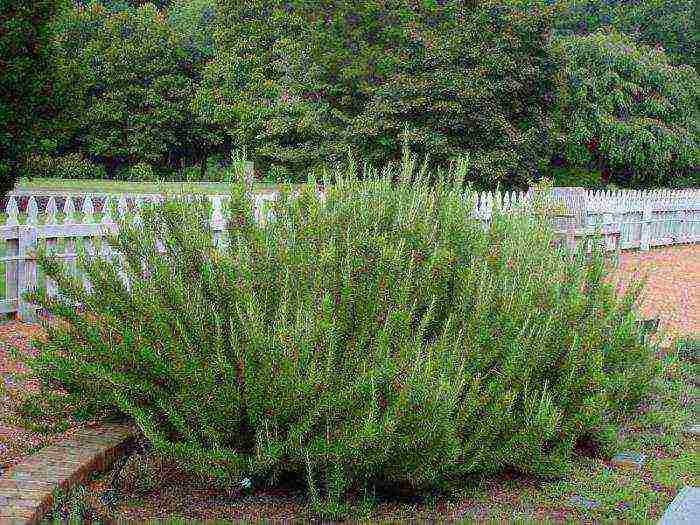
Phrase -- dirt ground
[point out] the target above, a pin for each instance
(672, 294)
(16, 442)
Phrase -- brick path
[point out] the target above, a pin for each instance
(673, 290)
(26, 491)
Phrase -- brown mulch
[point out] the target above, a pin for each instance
(672, 292)
(673, 295)
(16, 442)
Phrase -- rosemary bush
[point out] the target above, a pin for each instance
(378, 335)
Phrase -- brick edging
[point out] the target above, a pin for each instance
(26, 491)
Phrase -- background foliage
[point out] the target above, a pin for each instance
(130, 83)
(26, 81)
(524, 87)
(628, 114)
(369, 77)
(670, 25)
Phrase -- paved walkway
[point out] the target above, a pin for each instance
(673, 291)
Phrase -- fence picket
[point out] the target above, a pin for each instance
(26, 274)
(32, 211)
(51, 211)
(643, 219)
(107, 211)
(122, 207)
(51, 249)
(12, 212)
(88, 210)
(68, 211)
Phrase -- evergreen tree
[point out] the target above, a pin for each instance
(26, 80)
(446, 78)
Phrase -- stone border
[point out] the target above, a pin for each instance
(26, 490)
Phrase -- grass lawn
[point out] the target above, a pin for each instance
(113, 186)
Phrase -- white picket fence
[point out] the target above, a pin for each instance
(628, 219)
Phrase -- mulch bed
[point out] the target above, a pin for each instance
(16, 442)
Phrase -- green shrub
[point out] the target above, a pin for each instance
(688, 348)
(565, 177)
(141, 172)
(70, 166)
(74, 166)
(379, 335)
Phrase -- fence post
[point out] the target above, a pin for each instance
(646, 227)
(12, 250)
(26, 275)
(571, 237)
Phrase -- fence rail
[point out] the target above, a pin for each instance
(626, 219)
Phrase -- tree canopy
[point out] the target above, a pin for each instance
(628, 113)
(26, 80)
(595, 91)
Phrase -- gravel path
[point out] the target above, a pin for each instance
(673, 289)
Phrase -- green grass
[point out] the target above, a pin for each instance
(113, 186)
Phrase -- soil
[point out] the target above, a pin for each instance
(16, 442)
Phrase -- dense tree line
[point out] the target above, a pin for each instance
(26, 83)
(589, 92)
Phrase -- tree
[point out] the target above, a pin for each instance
(629, 113)
(26, 78)
(137, 87)
(671, 24)
(241, 89)
(193, 22)
(446, 78)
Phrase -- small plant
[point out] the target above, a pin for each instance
(376, 336)
(143, 473)
(69, 507)
(688, 348)
(141, 172)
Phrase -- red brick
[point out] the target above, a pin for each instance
(30, 492)
(12, 521)
(28, 487)
(11, 484)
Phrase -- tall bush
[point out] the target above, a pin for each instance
(628, 113)
(377, 335)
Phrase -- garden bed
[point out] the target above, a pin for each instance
(594, 489)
